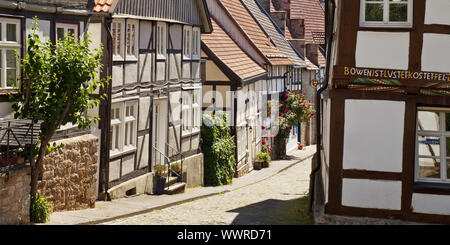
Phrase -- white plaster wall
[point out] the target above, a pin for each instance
(436, 52)
(373, 135)
(145, 68)
(431, 204)
(142, 151)
(144, 34)
(131, 71)
(5, 110)
(43, 25)
(117, 77)
(436, 12)
(389, 50)
(377, 194)
(144, 113)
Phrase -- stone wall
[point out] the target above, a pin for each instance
(69, 177)
(15, 197)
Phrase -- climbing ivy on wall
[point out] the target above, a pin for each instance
(218, 148)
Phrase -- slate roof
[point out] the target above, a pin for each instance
(274, 32)
(255, 33)
(103, 5)
(229, 52)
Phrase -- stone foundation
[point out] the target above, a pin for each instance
(15, 197)
(69, 177)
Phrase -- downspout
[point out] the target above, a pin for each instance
(319, 92)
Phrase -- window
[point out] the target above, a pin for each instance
(131, 39)
(191, 111)
(117, 38)
(10, 46)
(433, 145)
(65, 29)
(161, 43)
(186, 112)
(196, 110)
(188, 45)
(123, 131)
(386, 13)
(196, 43)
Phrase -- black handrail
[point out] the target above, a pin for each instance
(179, 153)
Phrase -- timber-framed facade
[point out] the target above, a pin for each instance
(155, 92)
(385, 129)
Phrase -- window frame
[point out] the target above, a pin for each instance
(123, 120)
(121, 55)
(135, 52)
(66, 25)
(196, 43)
(386, 9)
(187, 42)
(196, 109)
(9, 45)
(186, 109)
(442, 134)
(161, 40)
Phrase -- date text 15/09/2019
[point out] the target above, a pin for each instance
(225, 235)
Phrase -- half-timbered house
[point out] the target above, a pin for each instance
(384, 145)
(154, 108)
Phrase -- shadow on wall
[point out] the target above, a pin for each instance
(275, 212)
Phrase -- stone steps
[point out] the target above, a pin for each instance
(170, 181)
(175, 188)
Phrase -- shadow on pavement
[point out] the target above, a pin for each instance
(275, 212)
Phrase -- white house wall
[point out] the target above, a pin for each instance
(436, 59)
(436, 12)
(389, 50)
(373, 135)
(377, 194)
(431, 204)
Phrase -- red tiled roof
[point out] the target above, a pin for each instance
(103, 5)
(255, 33)
(312, 13)
(228, 51)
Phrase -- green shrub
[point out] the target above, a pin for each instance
(264, 156)
(219, 149)
(40, 209)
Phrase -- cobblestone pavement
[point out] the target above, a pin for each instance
(278, 200)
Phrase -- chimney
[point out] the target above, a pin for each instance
(265, 4)
(279, 17)
(312, 53)
(297, 28)
(299, 45)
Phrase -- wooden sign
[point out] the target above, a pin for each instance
(348, 71)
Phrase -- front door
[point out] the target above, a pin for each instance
(160, 127)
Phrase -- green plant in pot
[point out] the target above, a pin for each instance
(264, 158)
(160, 179)
(176, 170)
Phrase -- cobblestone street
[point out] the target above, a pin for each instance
(278, 200)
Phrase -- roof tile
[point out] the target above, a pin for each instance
(103, 5)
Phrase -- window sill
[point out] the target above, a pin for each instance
(118, 154)
(386, 28)
(190, 133)
(431, 188)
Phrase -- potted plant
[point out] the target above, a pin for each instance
(160, 179)
(259, 162)
(264, 158)
(175, 168)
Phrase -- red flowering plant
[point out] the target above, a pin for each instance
(294, 108)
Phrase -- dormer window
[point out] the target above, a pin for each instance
(386, 13)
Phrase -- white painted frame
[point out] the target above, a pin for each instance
(114, 26)
(186, 112)
(196, 111)
(122, 148)
(8, 45)
(442, 134)
(134, 52)
(66, 27)
(385, 22)
(132, 119)
(116, 150)
(161, 40)
(196, 43)
(187, 42)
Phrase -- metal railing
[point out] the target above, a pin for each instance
(16, 143)
(177, 153)
(166, 159)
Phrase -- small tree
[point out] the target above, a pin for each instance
(57, 83)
